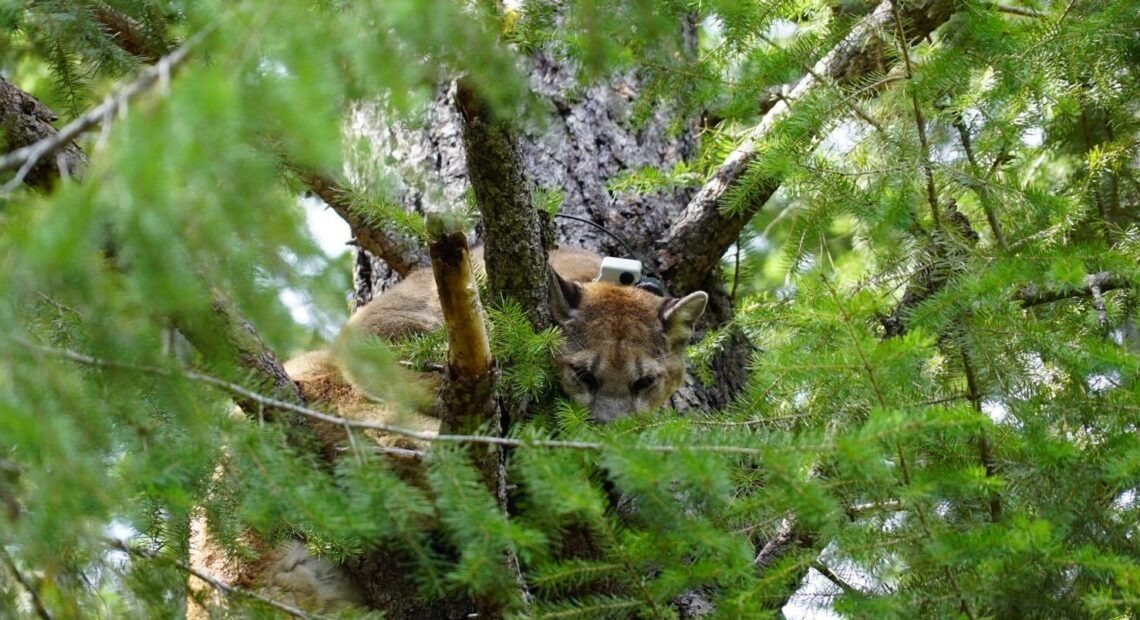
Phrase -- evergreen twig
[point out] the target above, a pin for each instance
(919, 120)
(24, 159)
(904, 467)
(985, 453)
(700, 235)
(980, 188)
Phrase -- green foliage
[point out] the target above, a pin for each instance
(526, 357)
(983, 463)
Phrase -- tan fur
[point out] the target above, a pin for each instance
(322, 382)
(615, 336)
(412, 305)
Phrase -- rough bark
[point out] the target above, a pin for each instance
(587, 141)
(514, 232)
(26, 122)
(693, 246)
(424, 165)
(46, 158)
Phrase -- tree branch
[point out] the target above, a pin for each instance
(25, 159)
(693, 246)
(25, 122)
(516, 238)
(402, 253)
(128, 33)
(468, 348)
(1032, 295)
(831, 576)
(983, 192)
(235, 389)
(782, 541)
(227, 336)
(942, 259)
(919, 121)
(985, 452)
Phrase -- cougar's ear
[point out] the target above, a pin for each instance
(679, 315)
(564, 296)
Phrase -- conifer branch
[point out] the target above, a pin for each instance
(215, 583)
(919, 120)
(1032, 295)
(985, 454)
(942, 261)
(33, 593)
(904, 466)
(694, 244)
(127, 33)
(846, 101)
(25, 122)
(831, 576)
(400, 252)
(226, 335)
(782, 541)
(26, 158)
(983, 192)
(238, 390)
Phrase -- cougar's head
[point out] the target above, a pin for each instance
(624, 347)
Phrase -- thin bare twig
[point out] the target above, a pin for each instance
(980, 188)
(215, 583)
(238, 390)
(24, 159)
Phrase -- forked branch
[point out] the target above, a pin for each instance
(693, 246)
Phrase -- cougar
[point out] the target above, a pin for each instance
(622, 353)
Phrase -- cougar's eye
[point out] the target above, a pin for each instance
(586, 378)
(642, 384)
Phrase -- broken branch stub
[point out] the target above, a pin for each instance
(466, 402)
